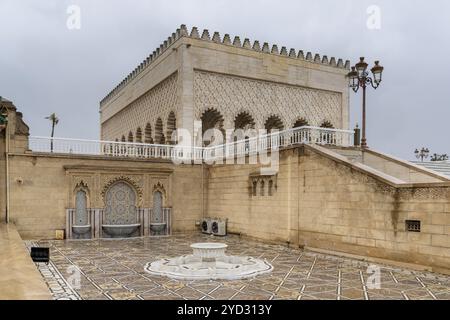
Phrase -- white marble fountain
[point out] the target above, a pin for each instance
(209, 262)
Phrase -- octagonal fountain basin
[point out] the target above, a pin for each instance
(80, 230)
(157, 227)
(121, 230)
(209, 262)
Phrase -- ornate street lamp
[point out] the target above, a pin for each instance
(359, 77)
(422, 154)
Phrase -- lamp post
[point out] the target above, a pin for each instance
(422, 154)
(359, 78)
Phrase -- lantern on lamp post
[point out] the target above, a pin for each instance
(359, 77)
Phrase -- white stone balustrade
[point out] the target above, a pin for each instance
(249, 146)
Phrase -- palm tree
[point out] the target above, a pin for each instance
(54, 119)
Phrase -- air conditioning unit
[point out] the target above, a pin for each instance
(219, 227)
(206, 225)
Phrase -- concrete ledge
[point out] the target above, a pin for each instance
(19, 277)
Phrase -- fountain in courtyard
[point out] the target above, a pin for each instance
(209, 262)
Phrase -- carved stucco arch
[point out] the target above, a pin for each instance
(81, 186)
(299, 118)
(128, 181)
(274, 115)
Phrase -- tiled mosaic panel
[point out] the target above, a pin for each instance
(114, 269)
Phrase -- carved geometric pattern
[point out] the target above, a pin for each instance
(136, 185)
(231, 95)
(156, 103)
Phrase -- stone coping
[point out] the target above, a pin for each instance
(378, 175)
(19, 277)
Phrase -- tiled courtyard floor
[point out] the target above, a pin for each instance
(114, 269)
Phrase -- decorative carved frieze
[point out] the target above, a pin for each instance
(231, 94)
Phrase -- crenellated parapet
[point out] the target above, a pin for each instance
(226, 40)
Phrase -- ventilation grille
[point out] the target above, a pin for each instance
(412, 225)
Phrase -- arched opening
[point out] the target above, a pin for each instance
(148, 134)
(81, 213)
(157, 216)
(262, 187)
(139, 135)
(273, 123)
(270, 192)
(212, 119)
(327, 137)
(327, 124)
(159, 133)
(254, 188)
(120, 204)
(301, 122)
(123, 139)
(130, 137)
(244, 128)
(171, 127)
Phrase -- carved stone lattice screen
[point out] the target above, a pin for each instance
(120, 206)
(81, 213)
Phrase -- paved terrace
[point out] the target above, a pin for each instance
(114, 269)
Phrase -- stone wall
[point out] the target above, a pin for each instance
(325, 203)
(43, 186)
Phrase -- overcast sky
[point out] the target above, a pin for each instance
(46, 67)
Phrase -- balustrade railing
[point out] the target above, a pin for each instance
(248, 146)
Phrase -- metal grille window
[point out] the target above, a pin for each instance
(412, 225)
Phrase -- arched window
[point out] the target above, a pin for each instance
(148, 134)
(120, 204)
(157, 216)
(244, 121)
(171, 127)
(327, 124)
(301, 122)
(139, 135)
(212, 119)
(159, 134)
